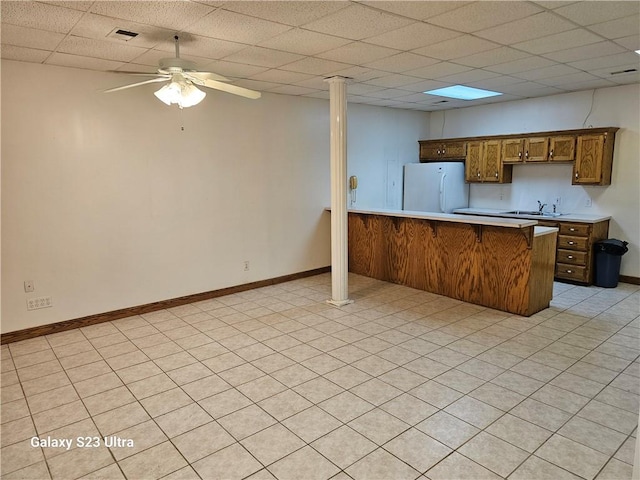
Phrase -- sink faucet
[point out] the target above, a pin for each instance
(541, 206)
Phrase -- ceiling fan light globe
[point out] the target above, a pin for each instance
(169, 93)
(191, 96)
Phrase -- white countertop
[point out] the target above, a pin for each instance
(451, 217)
(568, 217)
(539, 231)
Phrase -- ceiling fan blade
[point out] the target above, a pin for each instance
(225, 87)
(207, 76)
(124, 87)
(138, 74)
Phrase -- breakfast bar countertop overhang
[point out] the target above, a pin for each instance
(501, 263)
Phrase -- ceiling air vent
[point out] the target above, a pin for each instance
(121, 34)
(628, 70)
(441, 101)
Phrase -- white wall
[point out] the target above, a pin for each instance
(107, 203)
(612, 107)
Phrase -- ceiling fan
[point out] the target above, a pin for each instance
(183, 77)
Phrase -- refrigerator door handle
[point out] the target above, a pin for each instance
(442, 193)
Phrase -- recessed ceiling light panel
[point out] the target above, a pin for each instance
(462, 93)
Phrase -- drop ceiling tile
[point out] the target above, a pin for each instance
(522, 65)
(623, 27)
(437, 70)
(76, 5)
(387, 93)
(316, 83)
(152, 58)
(631, 42)
(599, 83)
(468, 77)
(392, 81)
(357, 53)
(102, 49)
(256, 84)
(29, 37)
(496, 83)
(135, 67)
(263, 57)
(542, 92)
(553, 4)
(568, 80)
(304, 42)
(598, 12)
(230, 69)
(414, 97)
(401, 62)
(627, 58)
(294, 13)
(318, 94)
(172, 15)
(413, 36)
(456, 48)
(486, 14)
(359, 74)
(535, 26)
(235, 27)
(491, 57)
(281, 76)
(585, 52)
(362, 88)
(626, 78)
(99, 26)
(528, 89)
(205, 47)
(22, 54)
(359, 99)
(292, 90)
(559, 41)
(424, 86)
(546, 73)
(357, 22)
(39, 15)
(315, 66)
(618, 72)
(78, 61)
(417, 10)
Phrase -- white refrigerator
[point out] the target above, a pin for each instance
(435, 187)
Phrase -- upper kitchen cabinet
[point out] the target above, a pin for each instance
(594, 159)
(484, 163)
(538, 149)
(438, 150)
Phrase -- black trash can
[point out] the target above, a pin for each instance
(607, 262)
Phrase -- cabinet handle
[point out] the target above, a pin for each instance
(496, 174)
(478, 173)
(526, 154)
(570, 257)
(576, 175)
(438, 152)
(443, 151)
(551, 153)
(519, 154)
(569, 271)
(571, 243)
(572, 229)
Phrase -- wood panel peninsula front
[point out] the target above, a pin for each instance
(505, 264)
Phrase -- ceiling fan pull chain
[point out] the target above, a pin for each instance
(175, 37)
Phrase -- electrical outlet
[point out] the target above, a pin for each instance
(28, 286)
(588, 202)
(246, 265)
(39, 302)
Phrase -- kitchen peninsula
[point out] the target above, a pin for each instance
(506, 264)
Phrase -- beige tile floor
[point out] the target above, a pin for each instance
(275, 383)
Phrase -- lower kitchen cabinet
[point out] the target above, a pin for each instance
(574, 249)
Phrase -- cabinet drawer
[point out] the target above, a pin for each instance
(571, 272)
(572, 243)
(572, 257)
(574, 229)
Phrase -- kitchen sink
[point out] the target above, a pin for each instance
(532, 213)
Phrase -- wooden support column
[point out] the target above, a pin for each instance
(339, 231)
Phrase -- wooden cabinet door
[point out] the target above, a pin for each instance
(587, 169)
(562, 149)
(453, 150)
(430, 151)
(536, 149)
(491, 161)
(512, 150)
(473, 162)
